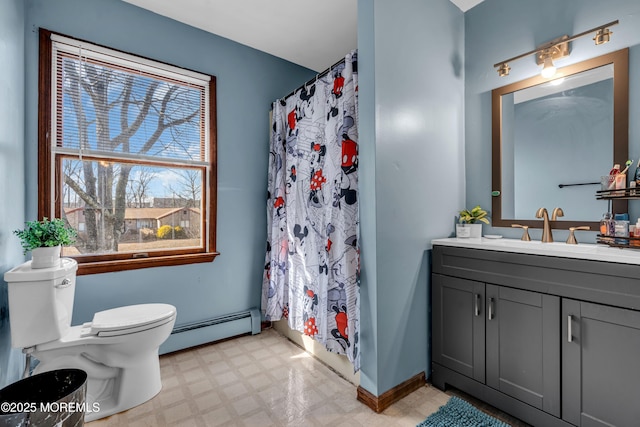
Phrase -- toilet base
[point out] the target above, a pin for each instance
(111, 390)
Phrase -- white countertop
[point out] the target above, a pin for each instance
(588, 251)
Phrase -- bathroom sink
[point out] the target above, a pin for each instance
(589, 251)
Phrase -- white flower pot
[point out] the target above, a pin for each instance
(469, 231)
(45, 257)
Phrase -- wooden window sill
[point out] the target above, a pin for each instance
(137, 263)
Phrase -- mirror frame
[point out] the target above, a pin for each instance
(620, 61)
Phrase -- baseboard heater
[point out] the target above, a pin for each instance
(213, 329)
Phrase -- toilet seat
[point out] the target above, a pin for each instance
(128, 319)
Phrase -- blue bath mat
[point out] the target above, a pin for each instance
(458, 413)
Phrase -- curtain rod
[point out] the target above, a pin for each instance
(313, 80)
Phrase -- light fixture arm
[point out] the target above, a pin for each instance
(555, 43)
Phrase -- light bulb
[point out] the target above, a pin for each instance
(548, 70)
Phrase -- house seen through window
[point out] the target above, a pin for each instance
(127, 156)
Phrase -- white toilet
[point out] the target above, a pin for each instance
(118, 349)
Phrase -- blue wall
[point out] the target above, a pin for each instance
(11, 168)
(247, 82)
(499, 29)
(411, 177)
(425, 86)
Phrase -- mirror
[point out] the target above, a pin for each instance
(554, 138)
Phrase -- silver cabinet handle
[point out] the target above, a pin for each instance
(64, 284)
(569, 332)
(477, 306)
(490, 308)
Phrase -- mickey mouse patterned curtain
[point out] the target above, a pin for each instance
(312, 271)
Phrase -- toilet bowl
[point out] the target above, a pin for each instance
(118, 349)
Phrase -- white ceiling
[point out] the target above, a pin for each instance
(465, 5)
(296, 30)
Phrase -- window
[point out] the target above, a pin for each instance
(126, 146)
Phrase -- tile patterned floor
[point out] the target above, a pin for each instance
(263, 380)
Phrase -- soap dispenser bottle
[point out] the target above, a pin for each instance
(607, 228)
(604, 224)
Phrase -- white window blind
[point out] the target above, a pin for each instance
(133, 108)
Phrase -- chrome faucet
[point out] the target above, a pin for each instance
(547, 235)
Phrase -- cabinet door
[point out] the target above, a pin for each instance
(523, 346)
(600, 365)
(458, 325)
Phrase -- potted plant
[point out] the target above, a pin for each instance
(45, 239)
(469, 222)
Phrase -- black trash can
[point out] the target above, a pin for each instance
(54, 398)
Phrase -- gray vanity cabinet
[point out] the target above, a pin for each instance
(600, 365)
(506, 338)
(553, 341)
(523, 346)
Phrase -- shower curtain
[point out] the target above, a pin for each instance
(312, 271)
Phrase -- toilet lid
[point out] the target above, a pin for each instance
(129, 317)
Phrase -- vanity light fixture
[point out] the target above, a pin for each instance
(548, 69)
(556, 49)
(503, 69)
(603, 36)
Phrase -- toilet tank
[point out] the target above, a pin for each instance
(40, 302)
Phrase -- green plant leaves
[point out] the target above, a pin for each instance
(45, 233)
(474, 215)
